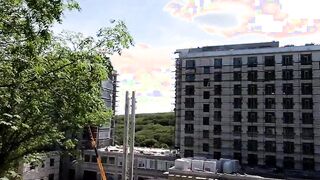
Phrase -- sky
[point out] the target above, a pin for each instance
(159, 27)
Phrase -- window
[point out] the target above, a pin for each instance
(217, 143)
(252, 116)
(269, 89)
(308, 164)
(270, 146)
(217, 155)
(237, 102)
(205, 147)
(206, 108)
(217, 76)
(237, 76)
(288, 147)
(188, 141)
(307, 103)
(306, 59)
(269, 60)
(188, 128)
(307, 133)
(205, 134)
(270, 117)
(217, 89)
(270, 103)
(306, 73)
(237, 89)
(252, 103)
(104, 159)
(51, 176)
(206, 70)
(217, 129)
(206, 82)
(307, 118)
(189, 90)
(287, 74)
(307, 148)
(206, 95)
(288, 162)
(252, 61)
(252, 75)
(238, 157)
(288, 117)
(190, 64)
(252, 89)
(217, 116)
(86, 158)
(189, 115)
(287, 60)
(188, 153)
(270, 131)
(252, 145)
(270, 161)
(237, 130)
(51, 162)
(287, 89)
(288, 132)
(237, 116)
(217, 103)
(252, 131)
(237, 144)
(190, 77)
(218, 63)
(205, 120)
(141, 163)
(287, 103)
(111, 160)
(306, 88)
(189, 102)
(252, 159)
(237, 62)
(94, 159)
(269, 75)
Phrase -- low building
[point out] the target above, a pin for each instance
(47, 170)
(149, 163)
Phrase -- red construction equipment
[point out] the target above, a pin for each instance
(94, 146)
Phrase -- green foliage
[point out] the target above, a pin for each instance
(152, 130)
(49, 85)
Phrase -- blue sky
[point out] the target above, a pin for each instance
(159, 27)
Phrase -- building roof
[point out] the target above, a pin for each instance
(244, 49)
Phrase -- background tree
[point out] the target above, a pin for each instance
(49, 84)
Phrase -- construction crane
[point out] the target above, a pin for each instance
(94, 146)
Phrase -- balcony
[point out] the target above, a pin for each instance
(270, 135)
(288, 136)
(252, 134)
(237, 133)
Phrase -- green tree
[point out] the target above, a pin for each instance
(49, 85)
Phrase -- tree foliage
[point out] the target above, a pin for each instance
(49, 85)
(152, 130)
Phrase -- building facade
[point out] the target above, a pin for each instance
(48, 169)
(258, 103)
(149, 163)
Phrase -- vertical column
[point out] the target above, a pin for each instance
(125, 137)
(132, 135)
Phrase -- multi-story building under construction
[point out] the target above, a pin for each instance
(258, 103)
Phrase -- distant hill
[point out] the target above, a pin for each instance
(152, 130)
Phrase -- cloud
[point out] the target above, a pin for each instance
(276, 18)
(148, 71)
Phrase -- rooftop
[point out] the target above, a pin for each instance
(140, 151)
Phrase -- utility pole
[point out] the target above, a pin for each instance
(125, 137)
(132, 135)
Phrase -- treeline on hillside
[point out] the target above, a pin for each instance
(152, 130)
